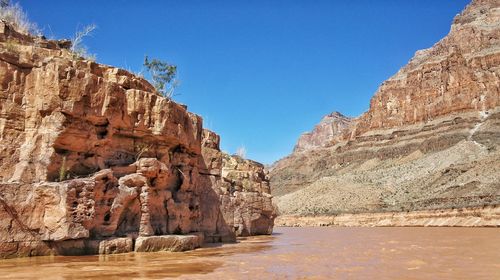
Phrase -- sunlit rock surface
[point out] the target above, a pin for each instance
(429, 140)
(90, 153)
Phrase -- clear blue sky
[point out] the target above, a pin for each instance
(259, 72)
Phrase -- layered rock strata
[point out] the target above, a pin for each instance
(90, 153)
(429, 139)
(488, 216)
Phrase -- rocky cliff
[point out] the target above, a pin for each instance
(242, 187)
(329, 129)
(429, 139)
(93, 160)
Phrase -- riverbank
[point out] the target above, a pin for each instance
(487, 216)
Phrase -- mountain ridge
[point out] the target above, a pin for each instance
(445, 100)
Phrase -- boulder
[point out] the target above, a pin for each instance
(116, 246)
(171, 243)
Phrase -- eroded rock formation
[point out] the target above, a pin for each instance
(90, 154)
(429, 139)
(243, 189)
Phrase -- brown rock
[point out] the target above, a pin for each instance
(91, 152)
(243, 189)
(457, 74)
(171, 243)
(428, 140)
(116, 246)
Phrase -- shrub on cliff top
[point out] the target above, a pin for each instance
(162, 76)
(77, 46)
(14, 14)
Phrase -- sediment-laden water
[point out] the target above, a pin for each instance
(295, 253)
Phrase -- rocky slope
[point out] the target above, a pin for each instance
(93, 160)
(429, 140)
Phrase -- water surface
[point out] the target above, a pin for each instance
(295, 253)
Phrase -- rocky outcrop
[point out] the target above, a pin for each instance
(429, 139)
(325, 133)
(171, 243)
(116, 246)
(90, 153)
(488, 216)
(243, 189)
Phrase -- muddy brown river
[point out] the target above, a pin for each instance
(295, 253)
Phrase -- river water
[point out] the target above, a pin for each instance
(295, 253)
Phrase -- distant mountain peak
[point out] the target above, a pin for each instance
(330, 126)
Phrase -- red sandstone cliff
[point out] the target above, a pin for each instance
(93, 160)
(429, 139)
(457, 74)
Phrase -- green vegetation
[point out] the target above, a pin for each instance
(162, 76)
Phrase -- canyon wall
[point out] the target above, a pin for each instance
(429, 139)
(93, 160)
